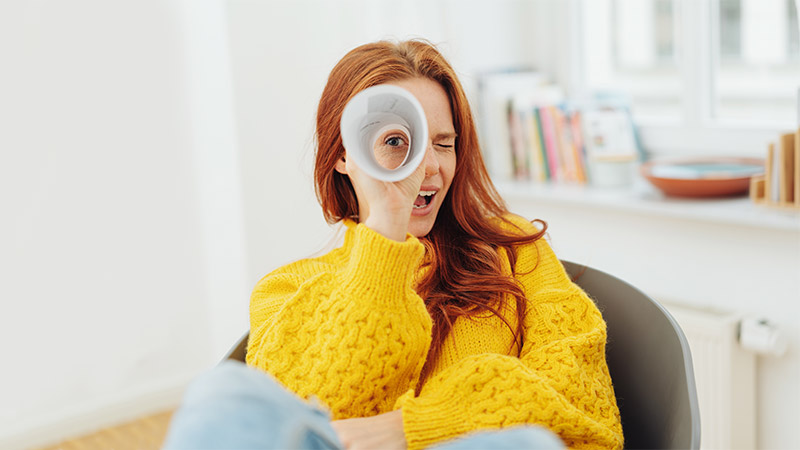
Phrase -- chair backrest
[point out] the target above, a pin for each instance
(239, 349)
(648, 357)
(650, 364)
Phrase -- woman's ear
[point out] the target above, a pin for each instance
(341, 166)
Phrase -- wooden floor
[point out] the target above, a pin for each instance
(142, 434)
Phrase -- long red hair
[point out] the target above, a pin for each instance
(462, 249)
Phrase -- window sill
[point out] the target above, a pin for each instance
(641, 198)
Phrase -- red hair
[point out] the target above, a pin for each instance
(462, 249)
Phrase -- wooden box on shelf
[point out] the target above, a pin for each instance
(780, 184)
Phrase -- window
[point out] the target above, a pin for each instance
(758, 63)
(696, 70)
(632, 46)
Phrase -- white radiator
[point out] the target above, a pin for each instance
(726, 378)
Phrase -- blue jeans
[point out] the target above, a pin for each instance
(237, 407)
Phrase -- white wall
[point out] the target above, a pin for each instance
(115, 283)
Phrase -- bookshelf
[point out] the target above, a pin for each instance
(543, 147)
(534, 133)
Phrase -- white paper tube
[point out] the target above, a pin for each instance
(374, 109)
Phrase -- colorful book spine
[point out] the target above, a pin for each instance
(518, 153)
(546, 141)
(531, 134)
(797, 149)
(550, 144)
(580, 149)
(786, 168)
(564, 139)
(770, 187)
(542, 148)
(797, 163)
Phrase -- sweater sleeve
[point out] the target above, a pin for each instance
(351, 332)
(560, 381)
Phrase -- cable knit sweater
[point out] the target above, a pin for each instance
(349, 329)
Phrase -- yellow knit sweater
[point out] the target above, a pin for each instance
(349, 329)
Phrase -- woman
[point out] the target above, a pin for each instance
(442, 314)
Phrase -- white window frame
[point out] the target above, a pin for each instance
(697, 133)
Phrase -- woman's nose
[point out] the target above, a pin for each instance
(431, 162)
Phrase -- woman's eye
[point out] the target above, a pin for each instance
(395, 141)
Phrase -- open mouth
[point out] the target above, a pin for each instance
(424, 199)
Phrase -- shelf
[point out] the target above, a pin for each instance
(642, 198)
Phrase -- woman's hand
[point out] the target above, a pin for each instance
(384, 431)
(385, 206)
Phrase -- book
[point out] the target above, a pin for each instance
(568, 152)
(768, 171)
(797, 148)
(797, 165)
(495, 90)
(786, 168)
(771, 174)
(532, 143)
(609, 135)
(532, 132)
(757, 188)
(545, 96)
(550, 143)
(496, 144)
(562, 144)
(577, 141)
(519, 154)
(542, 150)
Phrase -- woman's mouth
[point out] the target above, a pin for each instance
(425, 202)
(424, 199)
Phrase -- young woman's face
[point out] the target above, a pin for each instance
(440, 158)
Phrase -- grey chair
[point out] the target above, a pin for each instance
(649, 360)
(650, 364)
(239, 350)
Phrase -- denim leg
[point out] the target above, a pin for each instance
(522, 437)
(237, 407)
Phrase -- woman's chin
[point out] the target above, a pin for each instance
(420, 226)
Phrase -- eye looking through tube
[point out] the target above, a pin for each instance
(391, 146)
(385, 131)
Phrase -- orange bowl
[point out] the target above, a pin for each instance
(703, 177)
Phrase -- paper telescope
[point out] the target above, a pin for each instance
(385, 131)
